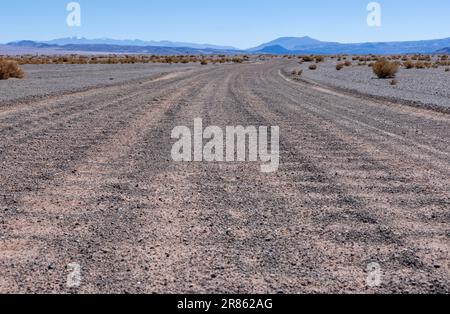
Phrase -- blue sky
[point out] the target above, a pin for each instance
(239, 23)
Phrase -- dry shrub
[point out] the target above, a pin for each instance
(320, 59)
(385, 69)
(339, 66)
(447, 69)
(409, 64)
(423, 65)
(10, 69)
(393, 82)
(313, 67)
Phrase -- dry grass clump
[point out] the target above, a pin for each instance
(385, 69)
(408, 64)
(339, 66)
(10, 69)
(312, 67)
(308, 58)
(320, 59)
(423, 65)
(393, 82)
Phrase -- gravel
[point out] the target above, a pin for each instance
(45, 80)
(421, 86)
(88, 180)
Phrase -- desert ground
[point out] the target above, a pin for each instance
(87, 178)
(422, 87)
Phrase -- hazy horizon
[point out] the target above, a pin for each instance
(208, 43)
(241, 25)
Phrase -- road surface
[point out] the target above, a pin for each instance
(87, 179)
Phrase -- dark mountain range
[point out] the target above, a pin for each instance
(120, 49)
(307, 45)
(280, 46)
(293, 43)
(136, 42)
(444, 51)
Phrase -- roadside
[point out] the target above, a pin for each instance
(419, 87)
(49, 80)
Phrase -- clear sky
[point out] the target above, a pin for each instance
(239, 23)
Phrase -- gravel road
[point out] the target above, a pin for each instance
(87, 179)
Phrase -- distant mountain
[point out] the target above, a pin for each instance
(445, 50)
(280, 46)
(293, 43)
(307, 45)
(30, 44)
(119, 49)
(136, 42)
(274, 50)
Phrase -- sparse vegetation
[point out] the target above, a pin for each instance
(313, 67)
(10, 69)
(124, 59)
(408, 64)
(308, 59)
(385, 69)
(339, 66)
(320, 59)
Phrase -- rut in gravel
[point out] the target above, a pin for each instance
(88, 179)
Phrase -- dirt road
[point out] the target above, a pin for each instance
(87, 179)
